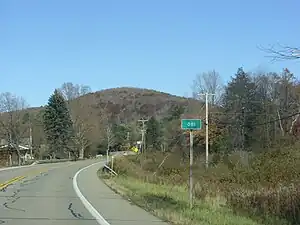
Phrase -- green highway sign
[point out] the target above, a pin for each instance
(191, 124)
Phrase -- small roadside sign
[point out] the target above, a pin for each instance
(191, 124)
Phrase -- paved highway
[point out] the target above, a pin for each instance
(64, 194)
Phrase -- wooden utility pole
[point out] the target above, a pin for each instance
(109, 142)
(30, 141)
(143, 121)
(206, 126)
(128, 140)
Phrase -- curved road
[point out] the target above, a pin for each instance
(44, 194)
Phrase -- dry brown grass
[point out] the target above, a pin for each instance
(266, 189)
(171, 203)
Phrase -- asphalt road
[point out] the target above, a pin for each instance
(44, 196)
(64, 194)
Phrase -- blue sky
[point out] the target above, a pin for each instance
(158, 44)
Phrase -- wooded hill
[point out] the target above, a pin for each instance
(252, 112)
(253, 173)
(93, 112)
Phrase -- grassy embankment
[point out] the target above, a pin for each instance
(265, 191)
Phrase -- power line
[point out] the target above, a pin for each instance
(265, 123)
(223, 113)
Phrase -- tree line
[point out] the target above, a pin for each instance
(64, 129)
(253, 112)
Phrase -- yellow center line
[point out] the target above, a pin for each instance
(9, 182)
(29, 173)
(19, 178)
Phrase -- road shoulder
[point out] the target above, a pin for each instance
(170, 203)
(132, 196)
(112, 206)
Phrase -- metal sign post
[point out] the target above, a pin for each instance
(191, 124)
(191, 168)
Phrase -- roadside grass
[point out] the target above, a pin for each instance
(171, 203)
(265, 190)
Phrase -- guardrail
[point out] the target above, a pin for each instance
(110, 169)
(115, 155)
(110, 160)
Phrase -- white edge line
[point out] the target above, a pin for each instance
(85, 202)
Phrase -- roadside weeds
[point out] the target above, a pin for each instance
(170, 203)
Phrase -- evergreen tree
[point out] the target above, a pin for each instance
(120, 135)
(154, 133)
(172, 133)
(241, 107)
(58, 125)
(174, 113)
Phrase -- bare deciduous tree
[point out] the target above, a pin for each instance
(105, 122)
(12, 119)
(110, 138)
(80, 139)
(208, 82)
(71, 92)
(281, 52)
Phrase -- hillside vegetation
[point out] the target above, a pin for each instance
(254, 164)
(92, 114)
(253, 172)
(264, 192)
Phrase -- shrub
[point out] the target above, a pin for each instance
(265, 185)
